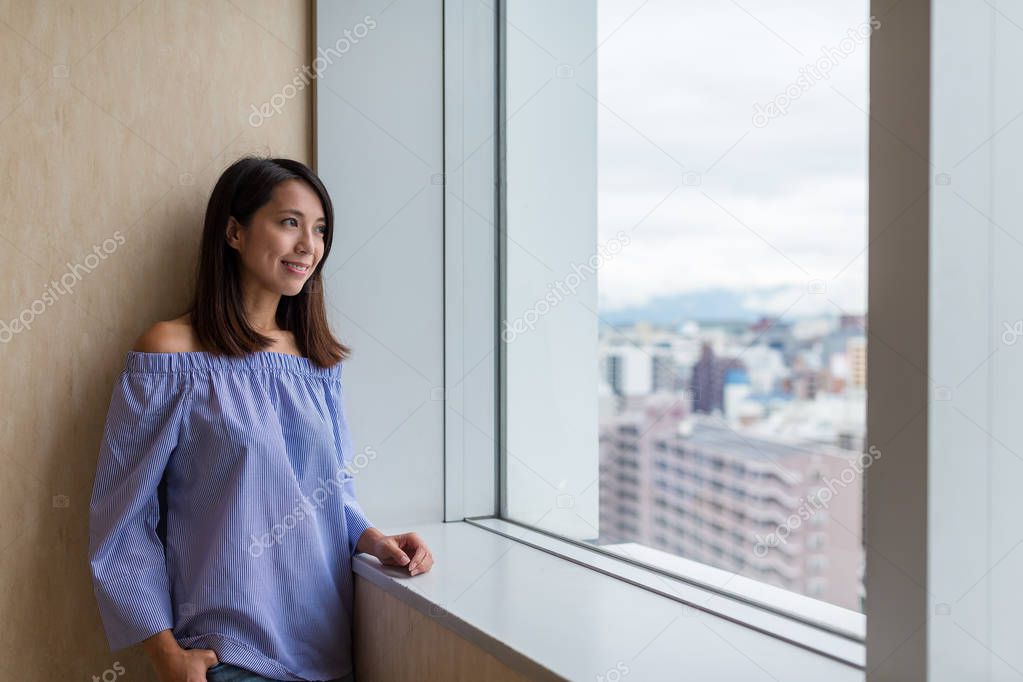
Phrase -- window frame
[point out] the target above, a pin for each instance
(474, 34)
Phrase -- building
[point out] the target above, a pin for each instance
(708, 380)
(691, 485)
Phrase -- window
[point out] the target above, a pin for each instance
(683, 269)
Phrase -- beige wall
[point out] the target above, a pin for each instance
(116, 118)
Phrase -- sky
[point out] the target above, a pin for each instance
(776, 206)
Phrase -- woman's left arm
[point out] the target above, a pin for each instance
(403, 549)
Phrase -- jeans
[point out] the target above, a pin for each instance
(225, 672)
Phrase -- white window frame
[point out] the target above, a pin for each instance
(921, 331)
(473, 147)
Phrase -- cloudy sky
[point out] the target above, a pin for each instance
(776, 206)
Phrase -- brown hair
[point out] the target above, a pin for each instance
(217, 311)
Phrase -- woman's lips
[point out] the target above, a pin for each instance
(294, 268)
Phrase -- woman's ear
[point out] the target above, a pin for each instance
(232, 231)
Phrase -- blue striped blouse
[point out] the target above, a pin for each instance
(224, 509)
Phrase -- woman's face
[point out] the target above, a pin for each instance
(284, 234)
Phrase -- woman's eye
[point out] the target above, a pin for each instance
(324, 228)
(292, 219)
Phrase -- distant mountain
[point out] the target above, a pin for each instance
(710, 305)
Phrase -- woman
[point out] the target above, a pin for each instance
(223, 519)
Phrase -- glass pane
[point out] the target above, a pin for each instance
(730, 192)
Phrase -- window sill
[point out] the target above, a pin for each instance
(552, 618)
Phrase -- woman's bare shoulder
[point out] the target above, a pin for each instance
(169, 336)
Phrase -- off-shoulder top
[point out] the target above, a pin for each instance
(224, 509)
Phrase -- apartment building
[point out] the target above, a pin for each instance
(775, 509)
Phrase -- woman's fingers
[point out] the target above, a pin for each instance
(412, 544)
(421, 553)
(392, 554)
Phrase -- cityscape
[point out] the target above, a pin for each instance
(739, 445)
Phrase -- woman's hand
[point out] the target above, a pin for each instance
(173, 663)
(403, 549)
(188, 665)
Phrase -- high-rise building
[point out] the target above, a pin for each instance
(775, 509)
(856, 352)
(630, 370)
(708, 380)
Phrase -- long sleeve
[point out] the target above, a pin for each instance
(355, 518)
(126, 554)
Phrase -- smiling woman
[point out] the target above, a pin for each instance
(223, 518)
(269, 227)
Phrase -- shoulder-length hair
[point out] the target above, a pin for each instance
(217, 311)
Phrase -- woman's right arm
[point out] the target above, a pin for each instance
(126, 554)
